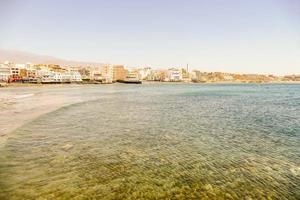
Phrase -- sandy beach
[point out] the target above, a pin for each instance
(22, 103)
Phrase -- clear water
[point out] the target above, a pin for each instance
(169, 141)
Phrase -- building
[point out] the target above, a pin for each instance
(15, 73)
(31, 73)
(196, 76)
(42, 70)
(20, 66)
(95, 74)
(107, 73)
(56, 68)
(23, 73)
(174, 75)
(85, 73)
(157, 75)
(291, 78)
(228, 77)
(65, 78)
(133, 75)
(57, 77)
(186, 77)
(48, 78)
(144, 73)
(5, 73)
(44, 75)
(75, 76)
(119, 72)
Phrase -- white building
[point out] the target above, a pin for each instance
(144, 73)
(228, 77)
(45, 75)
(42, 71)
(57, 77)
(47, 78)
(20, 66)
(5, 73)
(174, 75)
(75, 76)
(65, 78)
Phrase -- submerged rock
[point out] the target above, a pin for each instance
(228, 196)
(67, 147)
(295, 170)
(208, 187)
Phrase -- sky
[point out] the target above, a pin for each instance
(257, 36)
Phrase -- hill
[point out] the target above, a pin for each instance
(25, 57)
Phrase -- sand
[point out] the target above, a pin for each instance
(20, 105)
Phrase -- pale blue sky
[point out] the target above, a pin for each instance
(212, 35)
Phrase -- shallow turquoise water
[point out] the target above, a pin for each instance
(170, 141)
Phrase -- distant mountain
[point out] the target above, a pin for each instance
(25, 57)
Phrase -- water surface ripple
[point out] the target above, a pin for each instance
(160, 142)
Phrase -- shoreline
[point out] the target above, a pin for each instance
(39, 85)
(21, 104)
(21, 118)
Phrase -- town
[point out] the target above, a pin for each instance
(108, 73)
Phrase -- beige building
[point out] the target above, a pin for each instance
(119, 72)
(157, 75)
(15, 72)
(107, 73)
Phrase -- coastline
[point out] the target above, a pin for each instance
(22, 103)
(39, 85)
(21, 117)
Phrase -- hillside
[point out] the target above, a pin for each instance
(24, 57)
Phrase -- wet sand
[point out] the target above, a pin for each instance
(22, 104)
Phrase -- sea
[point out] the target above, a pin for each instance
(152, 141)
